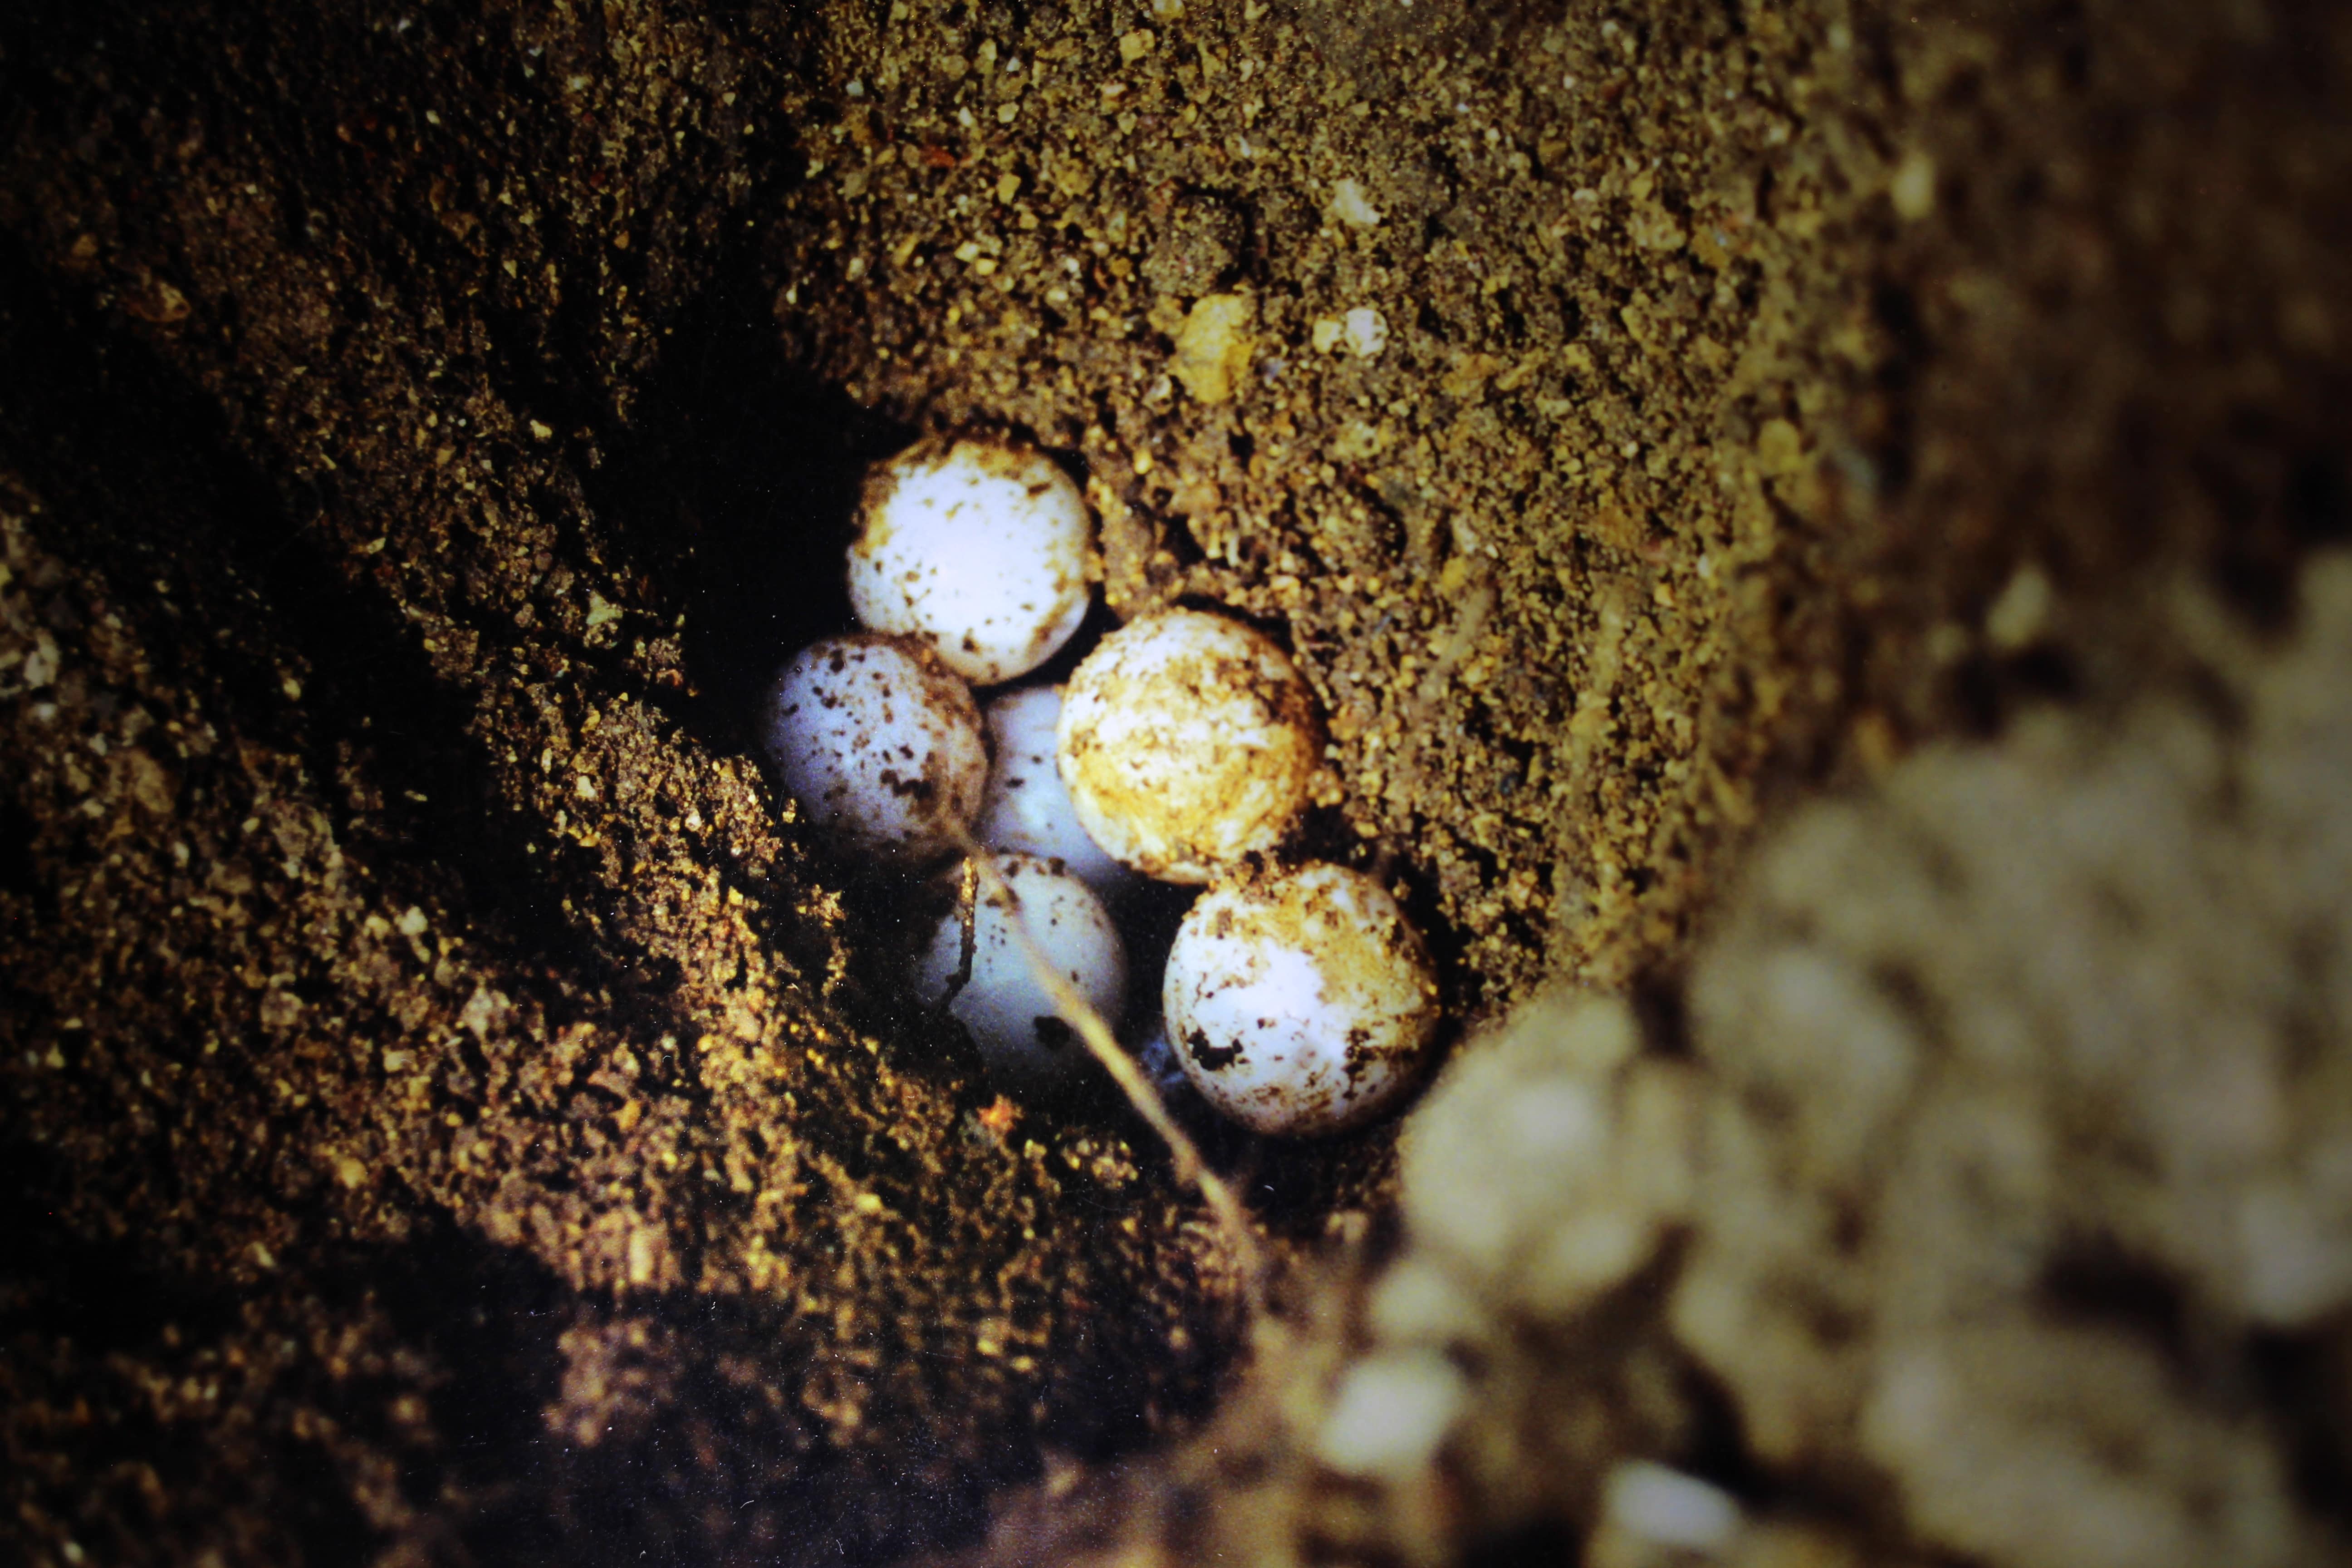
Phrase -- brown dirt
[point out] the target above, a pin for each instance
(451, 1107)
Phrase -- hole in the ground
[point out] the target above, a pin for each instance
(2093, 1280)
(741, 490)
(18, 873)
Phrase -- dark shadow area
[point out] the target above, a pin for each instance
(18, 874)
(2308, 1379)
(492, 1317)
(223, 573)
(2284, 502)
(1547, 1544)
(56, 1282)
(2093, 1282)
(737, 487)
(449, 1326)
(81, 1318)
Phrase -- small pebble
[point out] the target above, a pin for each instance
(1668, 1508)
(1391, 1412)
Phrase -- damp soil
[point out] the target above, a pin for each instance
(456, 1112)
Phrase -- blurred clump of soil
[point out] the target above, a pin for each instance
(451, 1112)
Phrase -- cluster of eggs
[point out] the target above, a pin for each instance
(1297, 997)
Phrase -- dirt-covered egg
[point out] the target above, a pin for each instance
(1026, 808)
(1188, 741)
(1300, 1001)
(979, 548)
(881, 745)
(976, 966)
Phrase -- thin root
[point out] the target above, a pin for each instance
(1233, 1218)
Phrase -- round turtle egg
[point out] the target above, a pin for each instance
(979, 969)
(979, 548)
(1300, 1001)
(1026, 808)
(880, 743)
(1188, 741)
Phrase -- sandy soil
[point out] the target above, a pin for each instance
(454, 1111)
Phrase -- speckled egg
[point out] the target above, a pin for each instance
(881, 745)
(978, 548)
(1026, 809)
(1188, 741)
(1300, 1001)
(978, 968)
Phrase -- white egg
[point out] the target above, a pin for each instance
(1300, 1001)
(979, 548)
(1026, 808)
(980, 970)
(880, 743)
(1188, 741)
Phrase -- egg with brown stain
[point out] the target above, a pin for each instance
(984, 972)
(1300, 1000)
(979, 548)
(1188, 741)
(881, 745)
